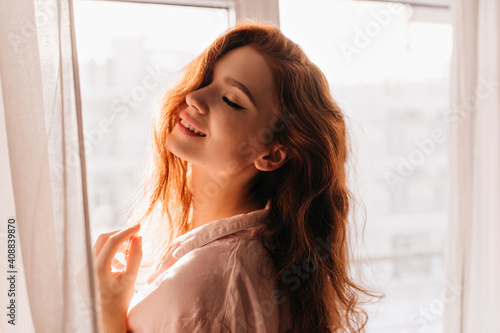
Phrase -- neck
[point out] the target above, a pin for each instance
(219, 195)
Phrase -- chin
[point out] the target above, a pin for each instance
(176, 149)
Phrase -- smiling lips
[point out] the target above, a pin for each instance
(187, 125)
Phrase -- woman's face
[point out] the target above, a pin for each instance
(236, 112)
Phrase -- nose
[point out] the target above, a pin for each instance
(198, 100)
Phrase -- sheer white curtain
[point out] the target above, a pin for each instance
(473, 248)
(42, 177)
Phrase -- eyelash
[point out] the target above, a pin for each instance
(231, 104)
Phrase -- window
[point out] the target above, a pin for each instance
(129, 54)
(388, 69)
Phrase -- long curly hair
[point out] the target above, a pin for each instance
(308, 197)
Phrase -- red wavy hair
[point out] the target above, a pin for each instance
(308, 196)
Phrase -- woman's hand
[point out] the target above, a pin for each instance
(116, 288)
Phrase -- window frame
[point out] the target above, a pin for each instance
(422, 3)
(238, 10)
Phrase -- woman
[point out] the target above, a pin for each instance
(249, 176)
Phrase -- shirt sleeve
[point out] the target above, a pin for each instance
(213, 289)
(188, 297)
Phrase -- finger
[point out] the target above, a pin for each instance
(135, 257)
(100, 241)
(111, 246)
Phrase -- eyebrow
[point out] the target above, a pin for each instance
(240, 86)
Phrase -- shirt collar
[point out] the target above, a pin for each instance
(211, 231)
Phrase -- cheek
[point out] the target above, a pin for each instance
(233, 128)
(230, 141)
(235, 141)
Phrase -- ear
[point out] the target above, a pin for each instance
(272, 161)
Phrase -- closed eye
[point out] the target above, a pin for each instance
(232, 104)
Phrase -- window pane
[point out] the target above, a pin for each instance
(129, 54)
(388, 68)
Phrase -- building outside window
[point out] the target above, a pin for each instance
(388, 68)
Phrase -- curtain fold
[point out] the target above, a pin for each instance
(43, 170)
(472, 250)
